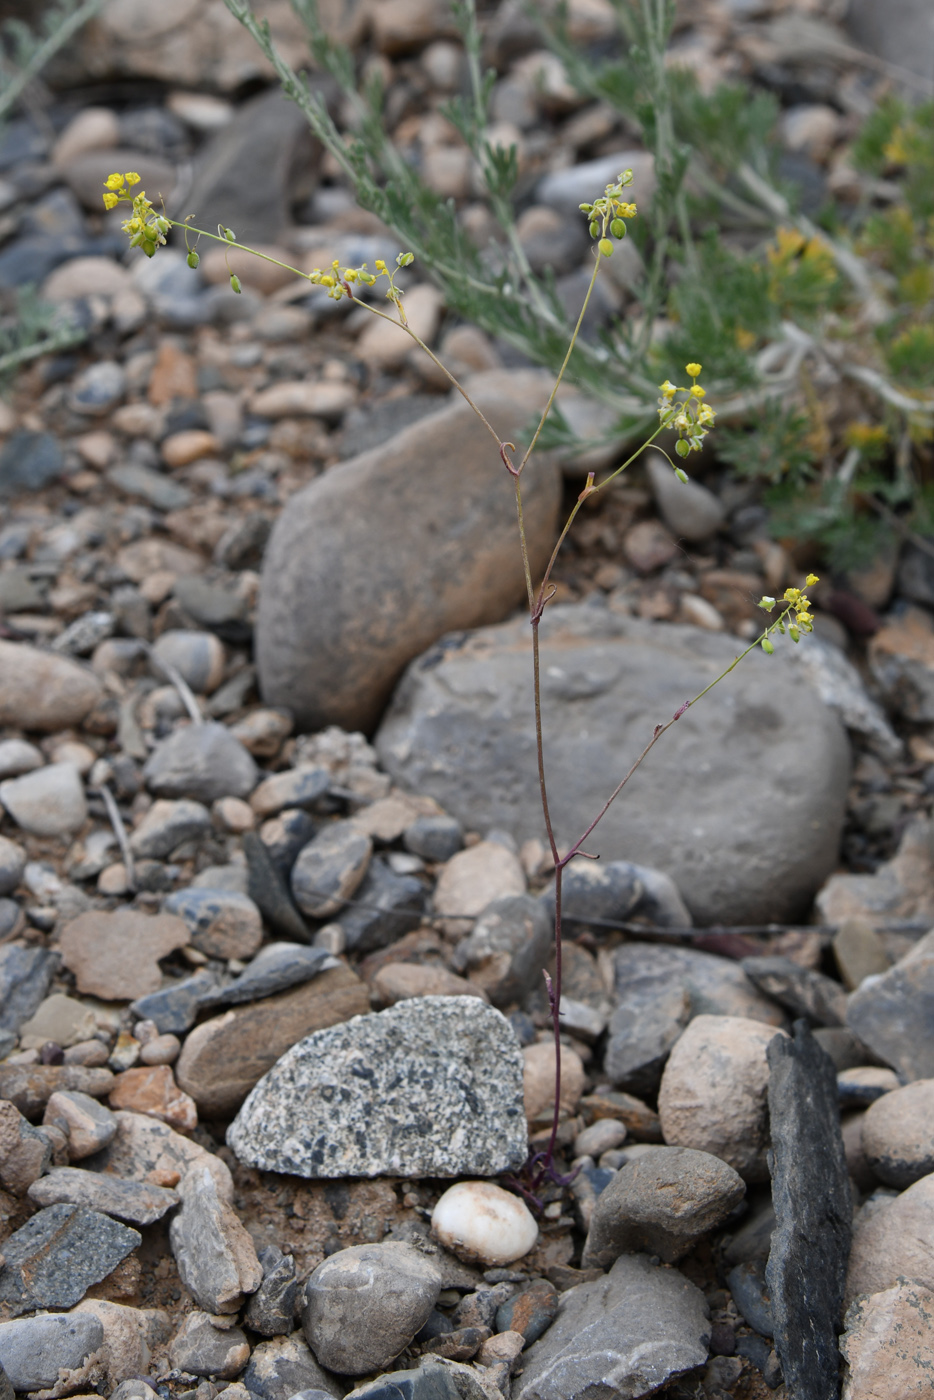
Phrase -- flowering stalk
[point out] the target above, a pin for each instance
(688, 416)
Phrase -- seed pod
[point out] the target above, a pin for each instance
(606, 247)
(681, 474)
(767, 646)
(193, 259)
(618, 228)
(594, 228)
(682, 448)
(234, 282)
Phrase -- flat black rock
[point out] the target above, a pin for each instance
(59, 1253)
(25, 974)
(806, 1272)
(267, 887)
(384, 907)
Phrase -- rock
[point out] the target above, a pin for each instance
(698, 819)
(801, 990)
(98, 389)
(96, 947)
(48, 802)
(131, 1335)
(330, 664)
(174, 1009)
(30, 1087)
(899, 889)
(898, 1134)
(25, 974)
(330, 868)
(167, 825)
(864, 1085)
(161, 1050)
(383, 346)
(52, 1260)
(385, 907)
(285, 1367)
(24, 1152)
(807, 1265)
(148, 1150)
(658, 989)
(60, 1019)
(594, 894)
(840, 685)
(713, 1095)
(87, 1124)
(363, 1305)
(887, 1343)
(691, 511)
(298, 399)
(216, 1259)
(482, 1223)
(268, 889)
(222, 923)
(86, 633)
(198, 657)
(473, 879)
(530, 1312)
(201, 762)
(623, 1335)
(893, 1239)
(33, 1350)
(16, 757)
(302, 786)
(205, 1350)
(508, 948)
(152, 1090)
(138, 1202)
(858, 952)
(663, 1204)
(262, 732)
(223, 1058)
(456, 1109)
(602, 1136)
(246, 173)
(435, 838)
(436, 1378)
(272, 1308)
(29, 461)
(539, 1080)
(894, 1013)
(275, 968)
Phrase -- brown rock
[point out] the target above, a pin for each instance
(714, 1092)
(328, 399)
(400, 980)
(262, 732)
(144, 558)
(87, 1124)
(640, 1121)
(83, 277)
(385, 346)
(152, 1090)
(223, 1058)
(116, 956)
(24, 1153)
(898, 1134)
(42, 691)
(387, 818)
(146, 1149)
(30, 1087)
(131, 1335)
(440, 554)
(888, 1344)
(649, 546)
(472, 879)
(174, 376)
(538, 1080)
(892, 1240)
(180, 449)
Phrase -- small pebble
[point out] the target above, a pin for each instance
(482, 1223)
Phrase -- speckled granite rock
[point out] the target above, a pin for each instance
(432, 1087)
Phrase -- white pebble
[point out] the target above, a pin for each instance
(483, 1223)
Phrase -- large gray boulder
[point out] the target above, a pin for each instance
(741, 802)
(374, 561)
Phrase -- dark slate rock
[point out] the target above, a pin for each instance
(175, 1009)
(894, 1013)
(159, 490)
(136, 1202)
(433, 838)
(275, 967)
(285, 1366)
(385, 907)
(271, 1309)
(25, 975)
(507, 948)
(58, 1254)
(433, 1380)
(803, 992)
(531, 1311)
(286, 835)
(267, 887)
(750, 1293)
(29, 461)
(594, 894)
(806, 1272)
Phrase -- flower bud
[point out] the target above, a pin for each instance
(230, 235)
(193, 259)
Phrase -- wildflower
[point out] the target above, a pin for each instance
(691, 418)
(693, 369)
(668, 389)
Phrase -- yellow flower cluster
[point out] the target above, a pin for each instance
(146, 229)
(796, 601)
(607, 214)
(339, 281)
(691, 418)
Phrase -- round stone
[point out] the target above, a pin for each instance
(482, 1223)
(898, 1134)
